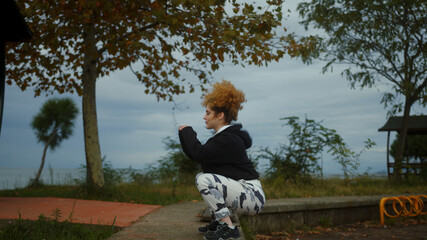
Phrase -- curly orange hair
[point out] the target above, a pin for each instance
(225, 98)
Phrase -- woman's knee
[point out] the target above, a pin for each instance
(197, 176)
(203, 179)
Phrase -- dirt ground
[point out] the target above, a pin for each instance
(406, 230)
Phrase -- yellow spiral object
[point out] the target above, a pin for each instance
(403, 206)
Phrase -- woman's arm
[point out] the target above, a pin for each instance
(183, 139)
(223, 148)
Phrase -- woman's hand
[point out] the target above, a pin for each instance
(182, 127)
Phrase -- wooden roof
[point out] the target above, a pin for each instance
(416, 125)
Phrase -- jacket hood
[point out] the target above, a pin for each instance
(243, 134)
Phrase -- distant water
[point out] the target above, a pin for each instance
(12, 178)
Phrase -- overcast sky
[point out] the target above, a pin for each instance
(132, 125)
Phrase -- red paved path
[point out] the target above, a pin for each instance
(76, 210)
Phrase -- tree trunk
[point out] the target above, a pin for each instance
(401, 141)
(2, 78)
(35, 182)
(95, 175)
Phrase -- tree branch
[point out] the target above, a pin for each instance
(142, 29)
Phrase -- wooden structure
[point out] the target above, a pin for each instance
(417, 126)
(13, 29)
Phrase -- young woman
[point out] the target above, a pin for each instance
(229, 180)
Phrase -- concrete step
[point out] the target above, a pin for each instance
(290, 214)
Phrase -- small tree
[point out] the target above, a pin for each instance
(299, 159)
(52, 124)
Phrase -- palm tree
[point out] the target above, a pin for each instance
(52, 124)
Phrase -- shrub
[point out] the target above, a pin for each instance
(299, 159)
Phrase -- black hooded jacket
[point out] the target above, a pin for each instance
(223, 154)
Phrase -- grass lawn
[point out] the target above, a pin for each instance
(46, 228)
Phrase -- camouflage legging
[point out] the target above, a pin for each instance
(223, 194)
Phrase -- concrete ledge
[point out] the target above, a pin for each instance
(289, 214)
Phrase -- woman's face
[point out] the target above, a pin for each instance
(213, 120)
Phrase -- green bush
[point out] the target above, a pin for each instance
(298, 160)
(175, 167)
(112, 176)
